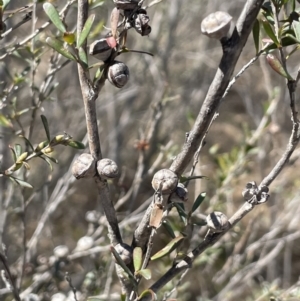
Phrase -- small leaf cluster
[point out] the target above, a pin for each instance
(73, 50)
(279, 21)
(42, 151)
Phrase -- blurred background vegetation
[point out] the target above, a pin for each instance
(257, 260)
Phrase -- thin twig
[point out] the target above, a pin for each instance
(6, 267)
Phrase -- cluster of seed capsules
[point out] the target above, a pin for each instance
(108, 48)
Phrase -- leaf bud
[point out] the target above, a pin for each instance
(22, 157)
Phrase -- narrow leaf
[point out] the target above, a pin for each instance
(99, 73)
(269, 31)
(46, 126)
(198, 222)
(59, 47)
(41, 145)
(169, 228)
(180, 208)
(46, 159)
(137, 258)
(17, 166)
(19, 113)
(53, 15)
(20, 182)
(256, 32)
(198, 201)
(184, 179)
(83, 57)
(123, 265)
(276, 65)
(5, 122)
(148, 292)
(146, 273)
(96, 4)
(76, 144)
(168, 248)
(18, 150)
(293, 4)
(292, 51)
(287, 40)
(296, 26)
(14, 155)
(86, 30)
(5, 3)
(26, 165)
(50, 158)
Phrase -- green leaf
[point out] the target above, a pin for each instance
(198, 201)
(255, 32)
(184, 179)
(148, 292)
(59, 47)
(47, 160)
(27, 142)
(83, 57)
(86, 30)
(20, 182)
(169, 228)
(18, 150)
(172, 245)
(287, 40)
(50, 158)
(75, 144)
(293, 51)
(5, 122)
(276, 65)
(180, 208)
(99, 73)
(41, 145)
(53, 15)
(19, 113)
(17, 166)
(123, 265)
(296, 26)
(5, 3)
(269, 31)
(137, 258)
(123, 297)
(146, 273)
(14, 155)
(46, 126)
(199, 223)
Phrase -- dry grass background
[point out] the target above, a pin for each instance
(241, 266)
